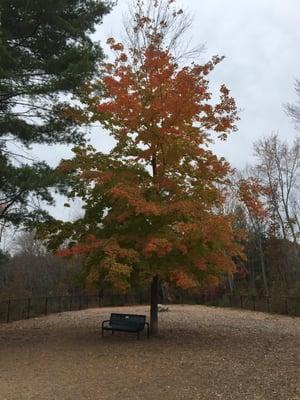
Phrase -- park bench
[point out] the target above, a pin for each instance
(125, 323)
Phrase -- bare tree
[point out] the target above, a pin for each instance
(278, 166)
(293, 110)
(27, 244)
(31, 271)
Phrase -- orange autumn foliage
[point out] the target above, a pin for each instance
(152, 205)
(251, 193)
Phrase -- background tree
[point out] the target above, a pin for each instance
(46, 54)
(278, 167)
(152, 206)
(32, 272)
(252, 194)
(294, 109)
(272, 244)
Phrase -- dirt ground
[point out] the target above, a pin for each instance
(201, 354)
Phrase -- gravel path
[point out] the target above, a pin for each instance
(201, 354)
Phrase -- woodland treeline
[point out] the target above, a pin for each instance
(50, 89)
(272, 244)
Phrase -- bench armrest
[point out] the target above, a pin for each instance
(107, 320)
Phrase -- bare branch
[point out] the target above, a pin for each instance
(293, 110)
(159, 24)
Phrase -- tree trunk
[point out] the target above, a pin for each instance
(154, 306)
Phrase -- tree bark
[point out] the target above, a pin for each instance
(154, 306)
(155, 280)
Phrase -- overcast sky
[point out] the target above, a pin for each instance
(260, 39)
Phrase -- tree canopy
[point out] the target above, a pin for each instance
(153, 206)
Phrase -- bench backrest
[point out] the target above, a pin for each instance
(128, 320)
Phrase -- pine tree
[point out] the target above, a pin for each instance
(46, 54)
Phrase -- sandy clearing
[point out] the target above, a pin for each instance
(202, 353)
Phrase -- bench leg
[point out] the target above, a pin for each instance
(102, 332)
(148, 330)
(138, 335)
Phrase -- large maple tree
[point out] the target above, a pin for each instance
(153, 205)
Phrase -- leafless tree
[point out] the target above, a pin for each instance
(278, 166)
(31, 271)
(27, 244)
(293, 110)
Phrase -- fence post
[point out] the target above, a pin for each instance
(59, 304)
(230, 301)
(28, 307)
(87, 301)
(8, 311)
(140, 297)
(71, 302)
(268, 304)
(241, 300)
(286, 306)
(80, 303)
(46, 305)
(253, 303)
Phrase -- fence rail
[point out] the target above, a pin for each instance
(19, 309)
(288, 305)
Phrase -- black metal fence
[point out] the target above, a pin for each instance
(287, 305)
(19, 309)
